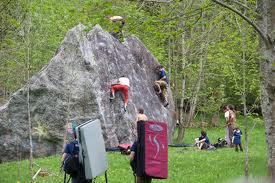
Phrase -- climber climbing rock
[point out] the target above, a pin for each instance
(121, 84)
(161, 85)
(118, 24)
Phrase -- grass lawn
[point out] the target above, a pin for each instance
(186, 164)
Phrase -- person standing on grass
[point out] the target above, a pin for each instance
(237, 139)
(141, 116)
(72, 149)
(230, 118)
(133, 155)
(133, 163)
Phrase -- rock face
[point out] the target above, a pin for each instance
(75, 86)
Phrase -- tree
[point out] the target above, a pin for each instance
(267, 9)
(28, 25)
(265, 29)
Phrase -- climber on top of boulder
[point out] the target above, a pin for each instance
(118, 24)
(161, 84)
(121, 84)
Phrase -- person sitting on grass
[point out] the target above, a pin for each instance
(203, 141)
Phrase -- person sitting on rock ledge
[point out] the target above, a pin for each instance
(121, 84)
(119, 23)
(161, 84)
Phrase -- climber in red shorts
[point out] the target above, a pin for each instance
(123, 85)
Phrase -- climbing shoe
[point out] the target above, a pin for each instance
(112, 97)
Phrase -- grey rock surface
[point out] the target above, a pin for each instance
(75, 86)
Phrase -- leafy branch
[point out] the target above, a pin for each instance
(266, 38)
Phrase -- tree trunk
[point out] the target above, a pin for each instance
(203, 60)
(182, 108)
(28, 95)
(267, 66)
(245, 107)
(268, 106)
(246, 167)
(182, 116)
(194, 100)
(169, 59)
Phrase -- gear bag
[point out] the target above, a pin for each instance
(152, 150)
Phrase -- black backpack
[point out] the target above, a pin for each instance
(221, 143)
(71, 164)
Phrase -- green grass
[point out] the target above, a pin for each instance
(186, 164)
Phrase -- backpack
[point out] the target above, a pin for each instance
(71, 164)
(221, 143)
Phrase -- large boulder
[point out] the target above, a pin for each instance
(74, 86)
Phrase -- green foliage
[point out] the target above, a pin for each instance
(186, 32)
(41, 130)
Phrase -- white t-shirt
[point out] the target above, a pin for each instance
(226, 115)
(124, 81)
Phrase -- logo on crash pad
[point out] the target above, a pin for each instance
(155, 128)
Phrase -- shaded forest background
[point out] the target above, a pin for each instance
(209, 53)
